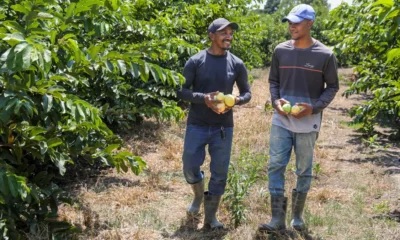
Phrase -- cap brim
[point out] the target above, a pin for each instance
(292, 18)
(233, 25)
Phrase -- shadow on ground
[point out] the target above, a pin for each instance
(286, 235)
(189, 230)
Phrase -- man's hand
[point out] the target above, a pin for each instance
(307, 110)
(278, 106)
(210, 101)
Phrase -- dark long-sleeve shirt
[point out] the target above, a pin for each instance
(206, 73)
(303, 75)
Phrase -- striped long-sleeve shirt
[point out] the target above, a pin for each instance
(303, 75)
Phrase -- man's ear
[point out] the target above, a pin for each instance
(310, 23)
(211, 35)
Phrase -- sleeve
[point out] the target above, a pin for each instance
(331, 80)
(185, 93)
(274, 82)
(242, 83)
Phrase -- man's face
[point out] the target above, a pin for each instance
(222, 38)
(299, 30)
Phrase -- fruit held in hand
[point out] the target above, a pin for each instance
(286, 107)
(221, 106)
(229, 100)
(220, 96)
(296, 109)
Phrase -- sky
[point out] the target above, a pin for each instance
(333, 3)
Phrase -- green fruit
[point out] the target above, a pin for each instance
(286, 107)
(220, 96)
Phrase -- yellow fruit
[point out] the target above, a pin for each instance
(296, 109)
(221, 106)
(220, 96)
(229, 100)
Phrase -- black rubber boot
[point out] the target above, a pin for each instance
(278, 209)
(298, 202)
(211, 204)
(198, 190)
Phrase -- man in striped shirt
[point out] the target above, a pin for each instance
(303, 73)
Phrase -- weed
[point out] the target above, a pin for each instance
(243, 173)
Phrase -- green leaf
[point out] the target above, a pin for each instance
(109, 66)
(60, 159)
(14, 38)
(4, 56)
(112, 4)
(86, 5)
(73, 45)
(19, 58)
(386, 3)
(144, 71)
(154, 74)
(47, 102)
(94, 50)
(70, 10)
(20, 8)
(37, 130)
(135, 70)
(122, 66)
(53, 35)
(43, 147)
(12, 184)
(57, 227)
(13, 25)
(53, 142)
(4, 188)
(137, 164)
(80, 111)
(44, 15)
(392, 14)
(111, 147)
(393, 54)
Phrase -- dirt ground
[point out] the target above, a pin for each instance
(355, 191)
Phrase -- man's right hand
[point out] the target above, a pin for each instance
(210, 101)
(278, 106)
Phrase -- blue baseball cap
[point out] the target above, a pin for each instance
(221, 23)
(299, 13)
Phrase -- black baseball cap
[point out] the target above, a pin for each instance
(221, 23)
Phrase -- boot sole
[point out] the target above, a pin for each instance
(269, 231)
(300, 229)
(209, 227)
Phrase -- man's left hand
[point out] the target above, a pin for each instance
(307, 110)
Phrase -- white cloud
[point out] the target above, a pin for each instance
(335, 3)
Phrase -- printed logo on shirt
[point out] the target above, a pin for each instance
(309, 65)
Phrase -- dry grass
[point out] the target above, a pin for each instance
(348, 192)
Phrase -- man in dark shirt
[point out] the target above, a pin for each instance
(303, 73)
(208, 73)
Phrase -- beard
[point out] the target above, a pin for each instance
(226, 48)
